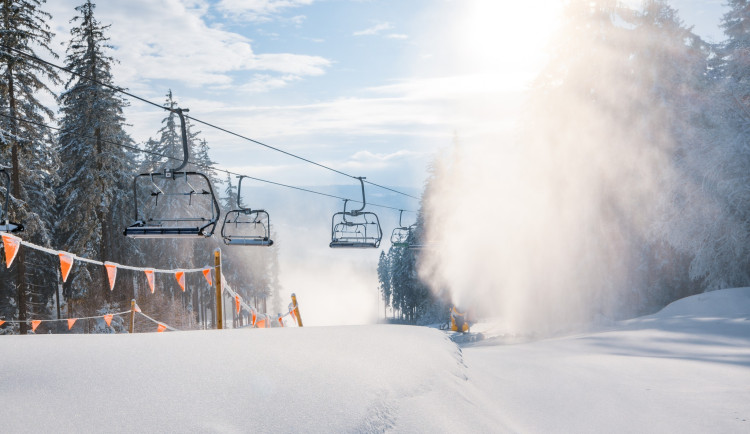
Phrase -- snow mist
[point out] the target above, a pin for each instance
(551, 227)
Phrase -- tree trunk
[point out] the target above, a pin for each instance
(20, 266)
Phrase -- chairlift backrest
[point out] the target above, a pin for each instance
(355, 228)
(245, 226)
(176, 203)
(5, 224)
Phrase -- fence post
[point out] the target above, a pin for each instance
(132, 315)
(296, 310)
(217, 268)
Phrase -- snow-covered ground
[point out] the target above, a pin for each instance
(685, 369)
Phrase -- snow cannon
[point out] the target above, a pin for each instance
(458, 321)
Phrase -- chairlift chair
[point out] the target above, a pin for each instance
(356, 228)
(5, 224)
(176, 203)
(400, 235)
(245, 226)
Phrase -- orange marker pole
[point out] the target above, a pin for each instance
(296, 310)
(132, 315)
(217, 268)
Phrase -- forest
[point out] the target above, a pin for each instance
(72, 186)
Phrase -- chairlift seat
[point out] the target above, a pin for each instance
(142, 230)
(348, 233)
(11, 227)
(248, 242)
(201, 223)
(246, 227)
(353, 244)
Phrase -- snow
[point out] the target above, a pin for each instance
(685, 369)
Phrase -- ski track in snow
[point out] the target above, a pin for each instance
(685, 369)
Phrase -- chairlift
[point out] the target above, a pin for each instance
(356, 228)
(5, 224)
(400, 237)
(245, 226)
(175, 203)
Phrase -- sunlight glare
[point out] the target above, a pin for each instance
(507, 37)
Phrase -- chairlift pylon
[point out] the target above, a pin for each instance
(356, 228)
(5, 224)
(245, 226)
(189, 212)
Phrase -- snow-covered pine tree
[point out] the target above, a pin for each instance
(384, 279)
(713, 220)
(94, 197)
(27, 148)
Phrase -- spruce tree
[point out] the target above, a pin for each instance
(27, 148)
(93, 200)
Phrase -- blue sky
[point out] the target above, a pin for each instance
(375, 88)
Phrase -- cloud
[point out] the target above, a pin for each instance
(397, 36)
(259, 10)
(374, 30)
(170, 40)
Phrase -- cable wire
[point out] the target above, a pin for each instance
(204, 166)
(124, 92)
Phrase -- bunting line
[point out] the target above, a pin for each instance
(95, 262)
(15, 321)
(158, 323)
(257, 317)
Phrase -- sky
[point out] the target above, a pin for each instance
(373, 88)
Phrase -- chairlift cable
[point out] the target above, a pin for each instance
(124, 92)
(204, 166)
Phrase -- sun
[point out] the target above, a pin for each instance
(506, 37)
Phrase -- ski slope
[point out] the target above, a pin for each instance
(685, 369)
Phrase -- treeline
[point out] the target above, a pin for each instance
(72, 186)
(629, 180)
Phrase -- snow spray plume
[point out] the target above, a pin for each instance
(556, 227)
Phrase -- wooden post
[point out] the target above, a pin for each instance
(132, 315)
(217, 268)
(295, 306)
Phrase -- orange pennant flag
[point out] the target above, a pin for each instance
(71, 321)
(66, 263)
(180, 276)
(261, 324)
(108, 320)
(111, 273)
(2, 321)
(237, 302)
(137, 308)
(150, 277)
(254, 317)
(294, 317)
(207, 275)
(281, 321)
(34, 324)
(11, 244)
(160, 327)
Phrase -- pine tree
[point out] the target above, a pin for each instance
(713, 221)
(27, 145)
(384, 279)
(94, 197)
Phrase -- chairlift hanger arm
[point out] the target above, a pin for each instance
(185, 148)
(364, 203)
(239, 193)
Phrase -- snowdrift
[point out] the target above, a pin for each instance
(685, 369)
